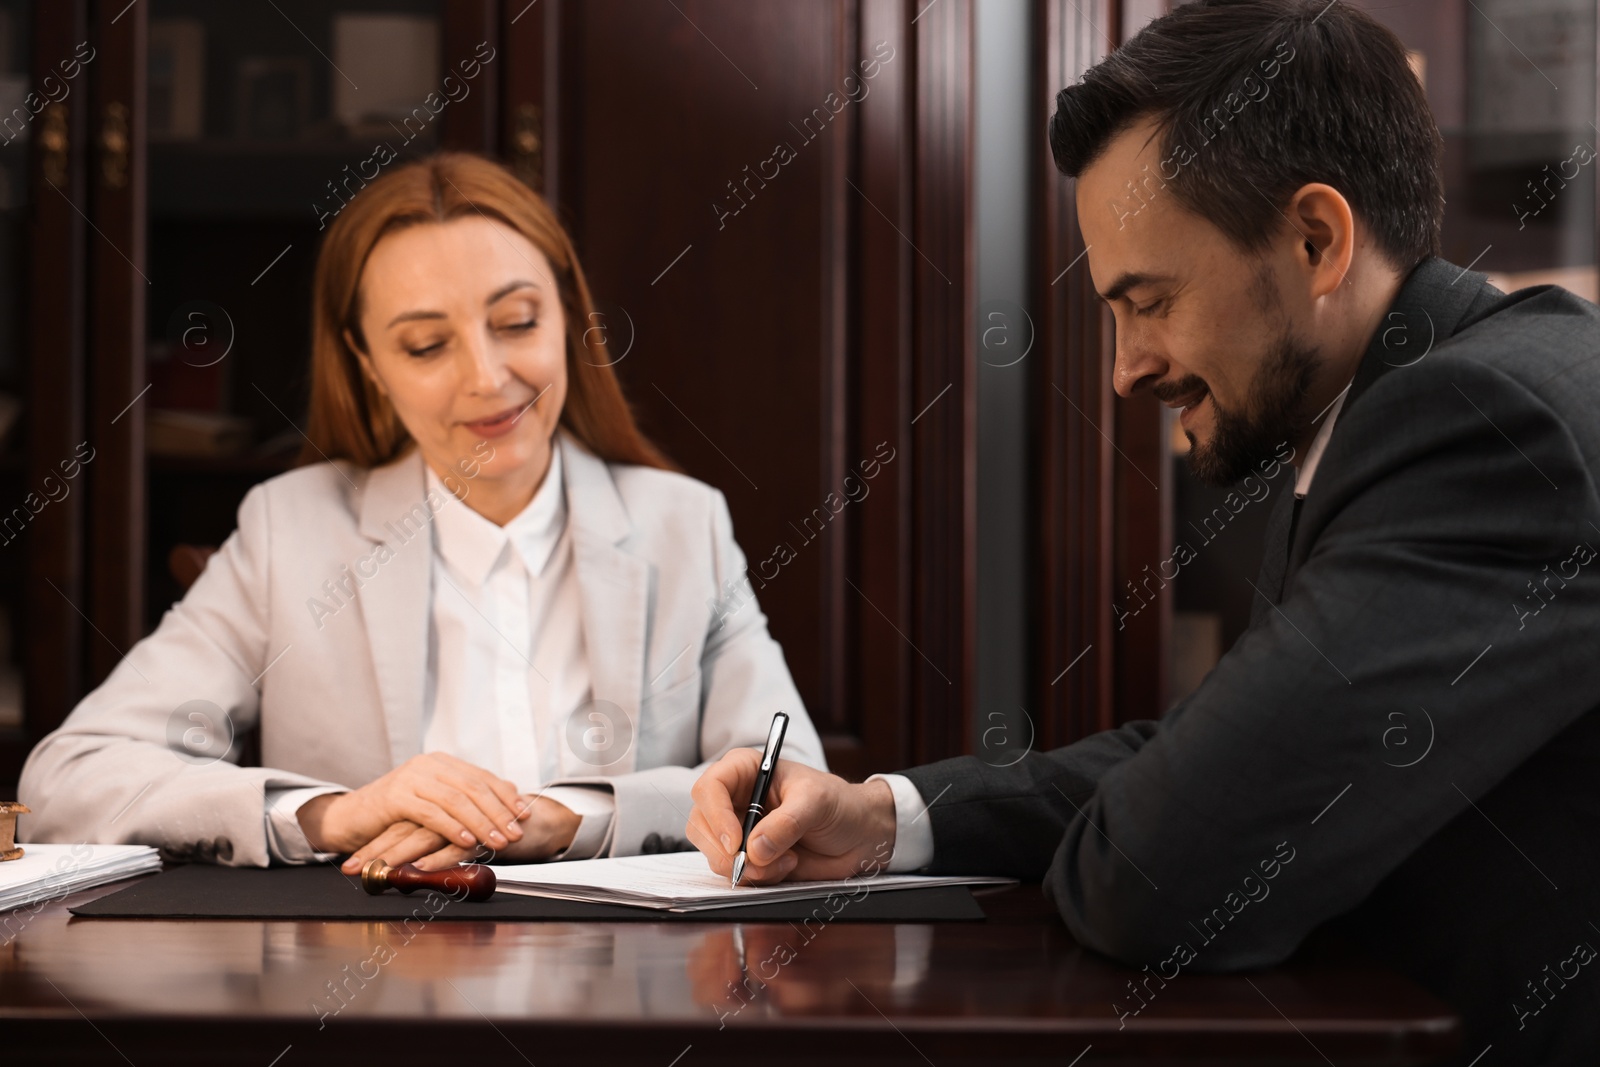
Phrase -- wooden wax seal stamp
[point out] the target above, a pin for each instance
(9, 810)
(468, 881)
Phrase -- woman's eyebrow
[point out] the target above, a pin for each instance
(508, 289)
(503, 291)
(408, 316)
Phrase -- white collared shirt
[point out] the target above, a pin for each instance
(507, 662)
(1319, 444)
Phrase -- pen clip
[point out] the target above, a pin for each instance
(780, 722)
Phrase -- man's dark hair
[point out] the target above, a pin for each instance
(1256, 98)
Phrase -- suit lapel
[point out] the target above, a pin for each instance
(1275, 552)
(1427, 311)
(613, 588)
(395, 600)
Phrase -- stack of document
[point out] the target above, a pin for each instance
(50, 872)
(684, 881)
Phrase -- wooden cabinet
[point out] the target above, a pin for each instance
(44, 469)
(773, 201)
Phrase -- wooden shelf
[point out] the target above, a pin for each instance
(243, 465)
(256, 179)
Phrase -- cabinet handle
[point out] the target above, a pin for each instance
(54, 143)
(527, 146)
(114, 144)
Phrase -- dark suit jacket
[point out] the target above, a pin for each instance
(1405, 743)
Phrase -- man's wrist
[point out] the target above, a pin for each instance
(913, 841)
(879, 815)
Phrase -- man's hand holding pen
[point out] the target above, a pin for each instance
(816, 826)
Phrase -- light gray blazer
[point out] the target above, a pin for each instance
(675, 641)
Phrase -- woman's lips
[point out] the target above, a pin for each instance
(497, 425)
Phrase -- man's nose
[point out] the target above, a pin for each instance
(1132, 365)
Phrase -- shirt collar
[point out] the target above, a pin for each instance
(1319, 443)
(1433, 302)
(472, 545)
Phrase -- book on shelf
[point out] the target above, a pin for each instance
(177, 78)
(394, 58)
(195, 433)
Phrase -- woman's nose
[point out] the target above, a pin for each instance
(483, 369)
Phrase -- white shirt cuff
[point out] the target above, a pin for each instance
(913, 830)
(286, 841)
(596, 807)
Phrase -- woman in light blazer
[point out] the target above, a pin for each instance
(484, 620)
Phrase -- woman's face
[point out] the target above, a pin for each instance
(467, 339)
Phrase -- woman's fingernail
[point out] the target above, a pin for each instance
(466, 837)
(758, 847)
(514, 829)
(788, 864)
(727, 845)
(497, 839)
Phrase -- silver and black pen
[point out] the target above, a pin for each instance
(758, 796)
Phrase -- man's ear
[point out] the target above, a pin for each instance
(365, 361)
(1322, 217)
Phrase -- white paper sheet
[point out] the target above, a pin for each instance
(50, 872)
(684, 881)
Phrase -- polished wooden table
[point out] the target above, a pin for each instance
(1015, 989)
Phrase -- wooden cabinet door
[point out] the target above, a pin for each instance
(773, 203)
(41, 567)
(118, 283)
(1103, 480)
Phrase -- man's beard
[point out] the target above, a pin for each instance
(1272, 415)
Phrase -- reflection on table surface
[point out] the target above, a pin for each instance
(1021, 967)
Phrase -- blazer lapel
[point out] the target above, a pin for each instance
(395, 600)
(613, 588)
(1427, 311)
(1275, 552)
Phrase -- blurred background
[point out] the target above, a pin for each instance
(823, 234)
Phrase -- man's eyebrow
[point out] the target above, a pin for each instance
(504, 290)
(1128, 280)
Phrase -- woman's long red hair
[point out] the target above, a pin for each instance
(349, 418)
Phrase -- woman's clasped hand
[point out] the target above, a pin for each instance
(437, 810)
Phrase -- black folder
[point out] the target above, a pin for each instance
(198, 891)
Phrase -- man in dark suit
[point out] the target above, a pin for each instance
(1405, 743)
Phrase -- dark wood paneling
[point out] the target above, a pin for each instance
(1073, 394)
(1144, 496)
(882, 665)
(529, 84)
(1104, 480)
(472, 122)
(118, 280)
(661, 112)
(944, 385)
(1143, 491)
(53, 630)
(783, 329)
